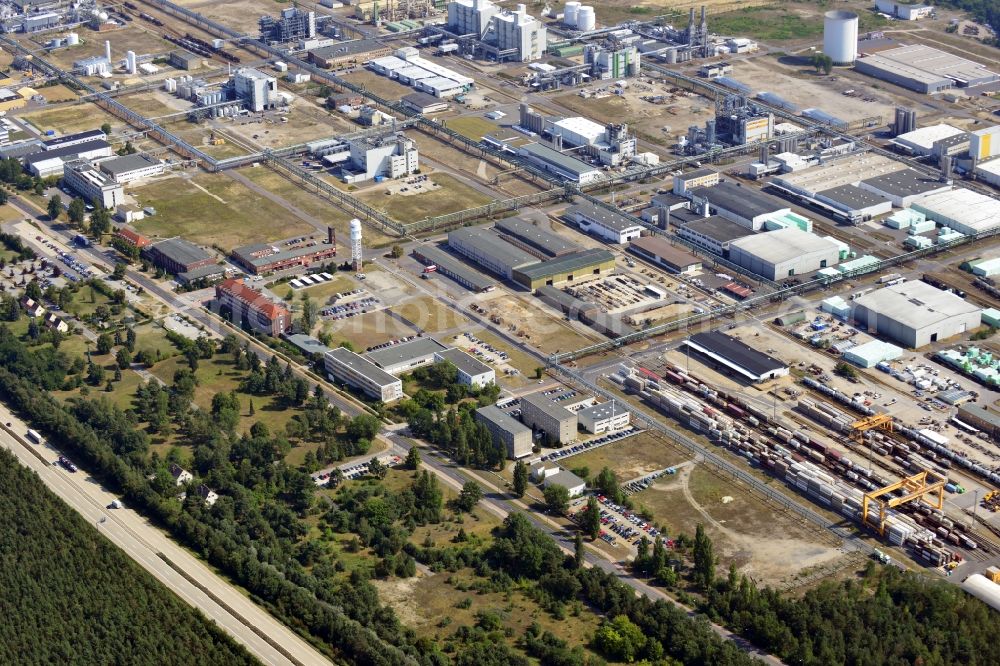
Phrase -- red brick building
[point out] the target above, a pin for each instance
(253, 308)
(133, 238)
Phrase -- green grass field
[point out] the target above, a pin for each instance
(451, 197)
(213, 209)
(767, 23)
(474, 127)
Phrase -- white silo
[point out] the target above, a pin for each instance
(586, 19)
(72, 39)
(107, 50)
(569, 13)
(840, 36)
(130, 62)
(356, 254)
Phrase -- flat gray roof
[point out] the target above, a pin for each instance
(566, 263)
(547, 405)
(743, 201)
(66, 151)
(565, 479)
(540, 238)
(404, 352)
(783, 244)
(980, 412)
(553, 156)
(904, 183)
(88, 135)
(348, 48)
(180, 250)
(467, 363)
(603, 410)
(929, 64)
(852, 197)
(718, 228)
(126, 163)
(246, 253)
(307, 343)
(677, 257)
(605, 217)
(450, 265)
(362, 366)
(490, 244)
(502, 419)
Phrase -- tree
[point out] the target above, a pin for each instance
(412, 458)
(556, 498)
(363, 426)
(308, 317)
(106, 128)
(377, 469)
(130, 339)
(578, 551)
(704, 558)
(620, 639)
(104, 343)
(119, 271)
(396, 252)
(77, 211)
(100, 221)
(123, 358)
(55, 207)
(590, 518)
(520, 478)
(469, 497)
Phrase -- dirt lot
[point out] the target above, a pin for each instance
(306, 122)
(427, 314)
(768, 545)
(57, 93)
(452, 195)
(69, 118)
(133, 37)
(240, 15)
(630, 458)
(184, 204)
(382, 86)
(367, 330)
(539, 329)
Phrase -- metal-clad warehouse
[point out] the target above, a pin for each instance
(532, 238)
(915, 314)
(489, 250)
(728, 352)
(566, 268)
(448, 265)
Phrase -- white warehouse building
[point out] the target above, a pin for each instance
(783, 253)
(392, 156)
(915, 314)
(92, 184)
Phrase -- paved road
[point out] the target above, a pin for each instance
(144, 543)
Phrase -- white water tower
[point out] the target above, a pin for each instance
(356, 253)
(840, 36)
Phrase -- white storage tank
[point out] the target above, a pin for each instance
(569, 13)
(586, 19)
(840, 36)
(72, 39)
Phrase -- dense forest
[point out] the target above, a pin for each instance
(71, 597)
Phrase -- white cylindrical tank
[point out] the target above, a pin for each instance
(72, 39)
(840, 36)
(107, 50)
(130, 62)
(586, 19)
(569, 13)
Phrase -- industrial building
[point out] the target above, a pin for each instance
(572, 267)
(74, 139)
(92, 184)
(853, 203)
(506, 430)
(520, 32)
(924, 69)
(291, 25)
(50, 162)
(871, 353)
(984, 143)
(471, 371)
(489, 251)
(176, 255)
(445, 264)
(250, 308)
(262, 258)
(127, 168)
(344, 54)
(931, 140)
(661, 252)
(604, 417)
(613, 61)
(981, 418)
(736, 356)
(915, 313)
(257, 90)
(537, 240)
(405, 356)
(540, 412)
(605, 224)
(904, 187)
(989, 172)
(406, 66)
(713, 234)
(568, 480)
(966, 211)
(904, 10)
(185, 60)
(391, 156)
(564, 166)
(471, 17)
(694, 179)
(346, 367)
(424, 103)
(745, 206)
(783, 253)
(610, 144)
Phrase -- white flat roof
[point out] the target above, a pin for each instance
(440, 83)
(783, 244)
(847, 170)
(916, 304)
(991, 167)
(926, 136)
(972, 209)
(583, 127)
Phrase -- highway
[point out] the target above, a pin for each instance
(199, 586)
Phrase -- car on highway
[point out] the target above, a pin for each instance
(66, 464)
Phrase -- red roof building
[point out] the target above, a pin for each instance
(133, 238)
(252, 308)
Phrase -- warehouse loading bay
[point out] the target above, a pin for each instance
(488, 311)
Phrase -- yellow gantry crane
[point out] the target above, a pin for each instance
(915, 487)
(879, 421)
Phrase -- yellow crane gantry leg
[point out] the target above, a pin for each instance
(880, 421)
(915, 487)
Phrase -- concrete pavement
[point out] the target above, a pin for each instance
(264, 636)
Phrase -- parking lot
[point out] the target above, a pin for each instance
(355, 470)
(619, 525)
(487, 353)
(608, 438)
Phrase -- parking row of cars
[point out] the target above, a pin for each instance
(643, 483)
(356, 470)
(484, 350)
(592, 443)
(360, 306)
(618, 519)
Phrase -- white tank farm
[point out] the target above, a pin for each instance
(586, 19)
